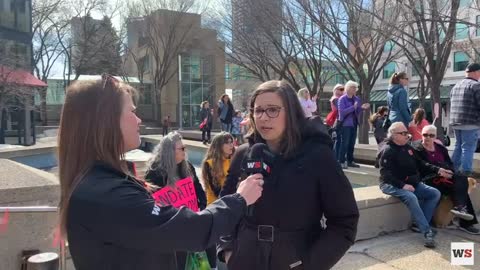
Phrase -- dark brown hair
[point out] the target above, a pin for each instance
(89, 131)
(380, 111)
(215, 153)
(295, 116)
(397, 76)
(418, 115)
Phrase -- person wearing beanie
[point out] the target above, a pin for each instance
(465, 118)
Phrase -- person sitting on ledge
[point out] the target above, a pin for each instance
(457, 187)
(399, 177)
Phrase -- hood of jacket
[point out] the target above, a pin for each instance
(392, 89)
(315, 130)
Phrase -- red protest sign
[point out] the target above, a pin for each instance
(183, 194)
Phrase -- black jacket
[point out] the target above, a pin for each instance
(296, 195)
(205, 113)
(113, 223)
(399, 165)
(422, 154)
(159, 178)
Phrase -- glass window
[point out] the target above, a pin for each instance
(227, 72)
(460, 60)
(461, 31)
(389, 45)
(2, 5)
(477, 32)
(185, 93)
(186, 115)
(416, 67)
(465, 3)
(196, 93)
(388, 70)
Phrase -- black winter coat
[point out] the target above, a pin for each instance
(422, 154)
(205, 113)
(113, 223)
(399, 165)
(299, 191)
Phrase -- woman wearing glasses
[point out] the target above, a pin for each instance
(429, 150)
(306, 183)
(400, 177)
(397, 99)
(109, 216)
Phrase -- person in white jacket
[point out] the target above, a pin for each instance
(309, 105)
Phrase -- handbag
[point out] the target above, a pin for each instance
(203, 124)
(197, 261)
(331, 117)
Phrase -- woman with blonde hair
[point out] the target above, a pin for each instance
(332, 117)
(110, 217)
(309, 105)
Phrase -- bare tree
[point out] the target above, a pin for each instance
(13, 95)
(96, 45)
(273, 40)
(425, 33)
(46, 48)
(165, 28)
(355, 50)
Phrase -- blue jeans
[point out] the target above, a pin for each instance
(337, 148)
(349, 136)
(422, 212)
(226, 127)
(464, 149)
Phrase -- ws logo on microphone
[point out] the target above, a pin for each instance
(258, 165)
(462, 253)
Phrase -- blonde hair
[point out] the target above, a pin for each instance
(302, 93)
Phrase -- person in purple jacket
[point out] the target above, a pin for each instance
(350, 109)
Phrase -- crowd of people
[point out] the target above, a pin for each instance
(250, 219)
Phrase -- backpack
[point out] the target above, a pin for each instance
(331, 117)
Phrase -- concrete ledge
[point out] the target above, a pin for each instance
(40, 148)
(21, 185)
(381, 214)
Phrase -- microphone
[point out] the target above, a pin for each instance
(259, 160)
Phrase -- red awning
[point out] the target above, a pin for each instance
(19, 77)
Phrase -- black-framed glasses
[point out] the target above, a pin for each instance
(429, 135)
(271, 112)
(107, 78)
(403, 133)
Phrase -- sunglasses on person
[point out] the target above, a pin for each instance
(403, 133)
(341, 89)
(429, 135)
